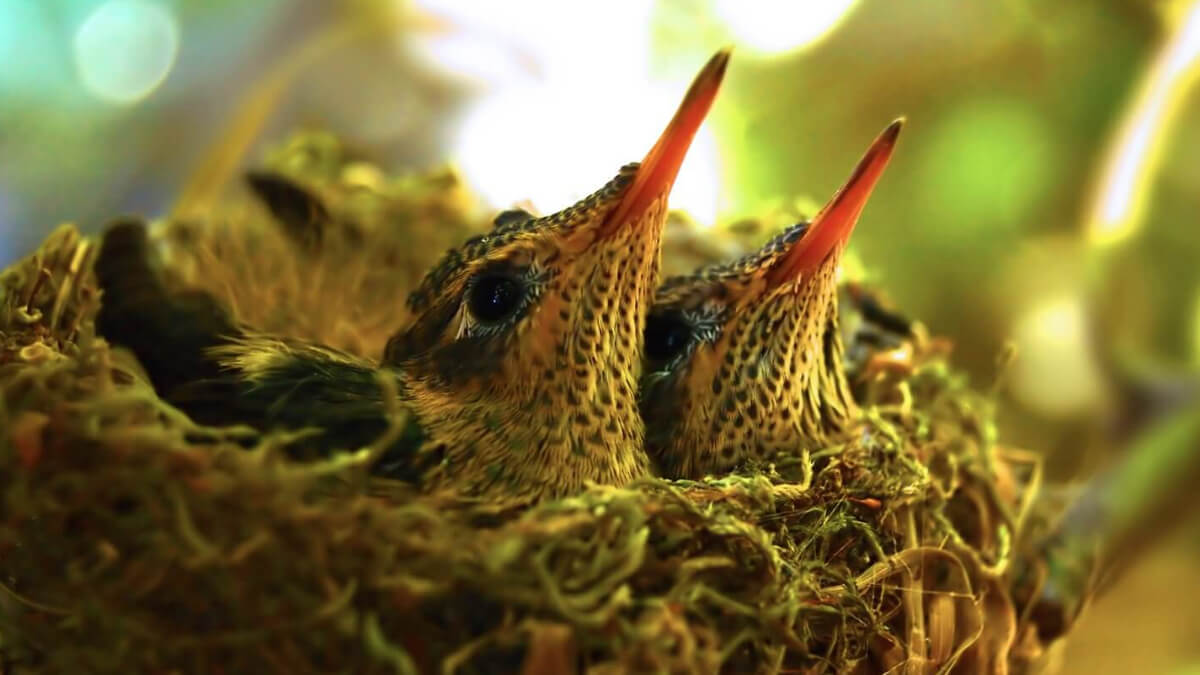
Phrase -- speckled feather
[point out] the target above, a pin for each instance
(763, 373)
(509, 228)
(549, 403)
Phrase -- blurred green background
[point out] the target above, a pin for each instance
(1045, 191)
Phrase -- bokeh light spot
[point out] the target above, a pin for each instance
(504, 43)
(125, 48)
(775, 26)
(563, 110)
(1055, 372)
(1135, 156)
(985, 165)
(553, 145)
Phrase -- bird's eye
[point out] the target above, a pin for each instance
(666, 336)
(495, 297)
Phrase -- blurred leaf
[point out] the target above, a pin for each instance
(987, 163)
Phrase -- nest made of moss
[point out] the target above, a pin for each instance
(137, 541)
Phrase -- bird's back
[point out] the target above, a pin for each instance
(200, 360)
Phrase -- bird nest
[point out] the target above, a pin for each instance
(137, 541)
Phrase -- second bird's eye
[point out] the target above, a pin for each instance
(666, 336)
(495, 297)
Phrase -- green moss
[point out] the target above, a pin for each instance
(136, 541)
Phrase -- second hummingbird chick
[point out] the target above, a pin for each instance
(744, 359)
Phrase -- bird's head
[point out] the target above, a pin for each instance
(744, 359)
(525, 350)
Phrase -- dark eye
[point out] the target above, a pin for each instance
(666, 336)
(495, 297)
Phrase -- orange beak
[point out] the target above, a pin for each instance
(830, 230)
(656, 174)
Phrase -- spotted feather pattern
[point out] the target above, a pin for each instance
(764, 378)
(547, 401)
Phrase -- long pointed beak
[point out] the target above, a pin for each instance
(656, 174)
(832, 226)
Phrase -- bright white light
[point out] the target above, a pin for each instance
(1055, 372)
(125, 48)
(501, 43)
(555, 144)
(571, 100)
(473, 57)
(1123, 188)
(774, 26)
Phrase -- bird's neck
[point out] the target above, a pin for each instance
(823, 404)
(488, 448)
(815, 402)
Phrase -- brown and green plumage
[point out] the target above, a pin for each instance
(519, 369)
(744, 360)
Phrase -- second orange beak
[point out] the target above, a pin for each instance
(832, 226)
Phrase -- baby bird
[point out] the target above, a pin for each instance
(745, 359)
(520, 368)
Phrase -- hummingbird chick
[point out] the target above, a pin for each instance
(519, 369)
(745, 359)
